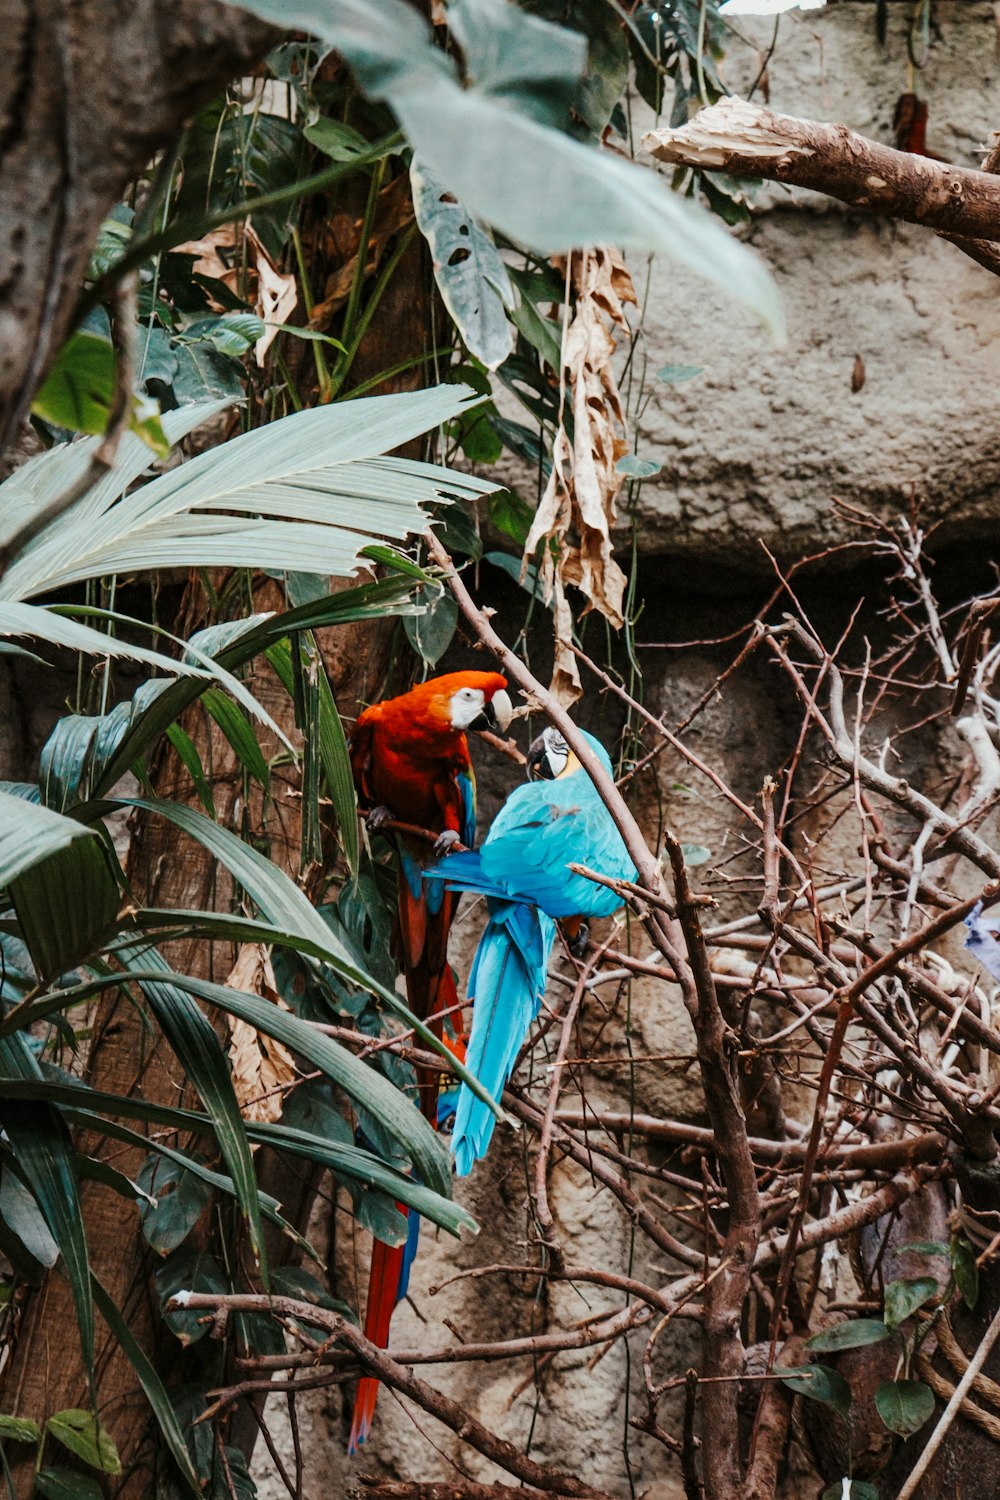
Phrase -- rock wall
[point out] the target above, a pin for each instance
(753, 450)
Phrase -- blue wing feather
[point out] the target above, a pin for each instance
(523, 871)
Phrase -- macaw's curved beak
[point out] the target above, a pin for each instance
(496, 714)
(537, 765)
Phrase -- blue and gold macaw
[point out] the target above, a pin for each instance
(522, 869)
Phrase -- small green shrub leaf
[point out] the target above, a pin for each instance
(904, 1405)
(853, 1335)
(819, 1383)
(902, 1298)
(80, 1432)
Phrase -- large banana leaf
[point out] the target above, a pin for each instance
(84, 1107)
(198, 1050)
(232, 646)
(304, 494)
(30, 833)
(40, 1142)
(156, 1393)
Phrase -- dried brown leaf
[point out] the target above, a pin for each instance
(277, 294)
(578, 508)
(262, 1067)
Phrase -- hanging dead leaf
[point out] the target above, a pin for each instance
(277, 294)
(216, 257)
(262, 1068)
(578, 508)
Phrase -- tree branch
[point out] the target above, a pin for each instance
(737, 137)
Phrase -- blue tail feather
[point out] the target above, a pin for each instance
(506, 984)
(409, 1254)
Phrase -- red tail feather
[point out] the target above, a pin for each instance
(382, 1283)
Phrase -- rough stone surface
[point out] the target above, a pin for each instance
(754, 449)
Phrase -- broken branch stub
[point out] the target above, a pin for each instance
(746, 140)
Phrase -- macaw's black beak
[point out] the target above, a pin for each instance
(496, 714)
(538, 765)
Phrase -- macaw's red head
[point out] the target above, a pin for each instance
(460, 701)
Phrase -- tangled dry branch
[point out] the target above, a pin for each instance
(847, 1058)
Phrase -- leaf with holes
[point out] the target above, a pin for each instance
(470, 275)
(80, 1432)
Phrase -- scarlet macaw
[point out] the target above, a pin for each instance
(410, 759)
(522, 870)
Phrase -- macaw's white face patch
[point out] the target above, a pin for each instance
(471, 709)
(466, 706)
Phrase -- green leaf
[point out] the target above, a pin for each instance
(519, 57)
(695, 855)
(357, 1079)
(230, 333)
(24, 1218)
(965, 1268)
(925, 1247)
(191, 1271)
(44, 1156)
(238, 731)
(80, 1432)
(151, 1384)
(511, 515)
(94, 1170)
(19, 1429)
(237, 1484)
(30, 834)
(198, 1050)
(335, 139)
(431, 633)
(542, 333)
(637, 468)
(379, 1214)
(57, 1483)
(853, 1335)
(112, 242)
(67, 905)
(478, 439)
(293, 1281)
(531, 582)
(181, 1198)
(79, 390)
(904, 1405)
(819, 1383)
(305, 494)
(188, 753)
(203, 374)
(902, 1298)
(83, 1107)
(334, 755)
(677, 374)
(470, 275)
